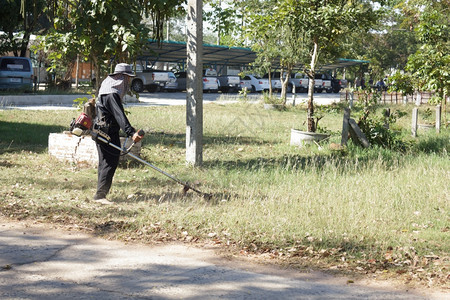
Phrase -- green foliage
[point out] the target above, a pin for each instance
(401, 82)
(272, 99)
(104, 32)
(18, 20)
(427, 113)
(244, 94)
(378, 127)
(225, 19)
(428, 66)
(433, 144)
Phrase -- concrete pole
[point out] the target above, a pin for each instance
(438, 119)
(194, 84)
(415, 116)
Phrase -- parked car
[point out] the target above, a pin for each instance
(16, 73)
(229, 83)
(210, 82)
(153, 80)
(254, 84)
(276, 82)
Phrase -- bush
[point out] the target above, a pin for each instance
(377, 128)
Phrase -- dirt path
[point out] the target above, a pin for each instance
(40, 262)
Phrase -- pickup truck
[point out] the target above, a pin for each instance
(229, 83)
(300, 81)
(322, 82)
(153, 80)
(338, 84)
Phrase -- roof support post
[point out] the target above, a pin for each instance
(194, 84)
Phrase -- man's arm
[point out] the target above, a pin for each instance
(119, 114)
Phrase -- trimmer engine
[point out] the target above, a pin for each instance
(82, 123)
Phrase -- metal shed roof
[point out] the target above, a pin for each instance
(343, 63)
(175, 52)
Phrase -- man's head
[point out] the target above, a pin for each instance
(123, 69)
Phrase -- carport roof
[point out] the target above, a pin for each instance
(343, 63)
(175, 52)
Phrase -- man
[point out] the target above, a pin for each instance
(110, 119)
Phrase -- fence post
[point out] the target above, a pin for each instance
(293, 95)
(415, 113)
(438, 118)
(345, 125)
(418, 98)
(357, 135)
(351, 101)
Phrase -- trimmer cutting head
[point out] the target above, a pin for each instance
(187, 187)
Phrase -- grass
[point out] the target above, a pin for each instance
(374, 211)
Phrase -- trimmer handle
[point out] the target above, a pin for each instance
(141, 132)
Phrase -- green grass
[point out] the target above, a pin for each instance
(374, 210)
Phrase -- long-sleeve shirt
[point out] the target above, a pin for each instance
(109, 106)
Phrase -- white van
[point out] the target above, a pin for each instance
(16, 73)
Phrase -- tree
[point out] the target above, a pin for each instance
(323, 24)
(18, 20)
(298, 31)
(429, 65)
(387, 46)
(263, 35)
(224, 18)
(105, 32)
(275, 40)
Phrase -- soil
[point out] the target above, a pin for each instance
(73, 258)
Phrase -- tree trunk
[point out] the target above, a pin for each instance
(98, 79)
(312, 73)
(283, 87)
(270, 83)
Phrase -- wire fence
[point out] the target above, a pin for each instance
(389, 98)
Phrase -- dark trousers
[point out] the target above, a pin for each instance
(108, 160)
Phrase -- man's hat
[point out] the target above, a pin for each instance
(123, 69)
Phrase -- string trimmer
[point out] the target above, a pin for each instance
(96, 135)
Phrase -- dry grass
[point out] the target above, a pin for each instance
(372, 211)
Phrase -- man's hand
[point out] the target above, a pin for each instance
(138, 135)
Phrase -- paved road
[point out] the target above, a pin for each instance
(37, 262)
(55, 102)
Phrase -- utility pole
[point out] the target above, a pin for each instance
(194, 84)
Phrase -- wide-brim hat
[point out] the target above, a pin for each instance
(123, 68)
